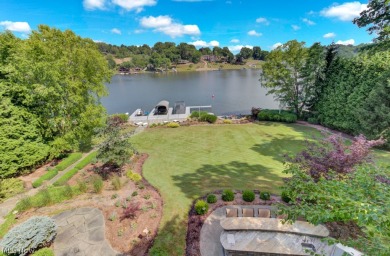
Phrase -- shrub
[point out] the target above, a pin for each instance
(173, 125)
(25, 203)
(211, 199)
(265, 196)
(68, 175)
(201, 207)
(313, 120)
(276, 115)
(44, 252)
(285, 197)
(29, 236)
(131, 211)
(209, 118)
(82, 186)
(121, 118)
(97, 184)
(112, 217)
(227, 121)
(67, 191)
(133, 176)
(248, 195)
(116, 183)
(227, 195)
(10, 187)
(135, 193)
(44, 198)
(47, 176)
(197, 114)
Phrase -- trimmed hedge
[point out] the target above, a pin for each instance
(248, 195)
(209, 118)
(227, 195)
(265, 196)
(68, 175)
(71, 159)
(277, 116)
(201, 207)
(211, 199)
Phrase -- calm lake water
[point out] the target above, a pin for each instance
(235, 91)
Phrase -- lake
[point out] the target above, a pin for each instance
(235, 91)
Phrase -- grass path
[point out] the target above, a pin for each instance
(188, 162)
(10, 203)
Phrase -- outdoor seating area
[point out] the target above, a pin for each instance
(241, 230)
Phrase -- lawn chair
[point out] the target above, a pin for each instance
(264, 213)
(231, 212)
(248, 212)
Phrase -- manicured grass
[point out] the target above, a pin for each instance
(188, 162)
(68, 175)
(72, 158)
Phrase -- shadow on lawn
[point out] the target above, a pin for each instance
(280, 146)
(234, 175)
(166, 243)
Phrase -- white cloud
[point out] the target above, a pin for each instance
(166, 25)
(254, 33)
(276, 45)
(237, 48)
(116, 31)
(131, 5)
(139, 31)
(295, 27)
(330, 35)
(234, 41)
(308, 22)
(346, 42)
(94, 4)
(155, 22)
(345, 12)
(263, 21)
(201, 43)
(17, 26)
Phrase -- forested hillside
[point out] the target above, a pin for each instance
(168, 53)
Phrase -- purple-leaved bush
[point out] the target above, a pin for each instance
(332, 154)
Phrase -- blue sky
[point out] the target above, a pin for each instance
(232, 23)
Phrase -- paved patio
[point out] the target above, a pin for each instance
(81, 233)
(210, 244)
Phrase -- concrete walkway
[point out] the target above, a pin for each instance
(210, 244)
(81, 233)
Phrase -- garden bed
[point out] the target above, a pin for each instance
(127, 236)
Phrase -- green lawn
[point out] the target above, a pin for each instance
(188, 162)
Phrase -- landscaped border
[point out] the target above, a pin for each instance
(195, 221)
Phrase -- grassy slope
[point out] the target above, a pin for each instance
(188, 162)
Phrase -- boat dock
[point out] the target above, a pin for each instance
(151, 118)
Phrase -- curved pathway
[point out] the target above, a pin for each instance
(210, 244)
(81, 232)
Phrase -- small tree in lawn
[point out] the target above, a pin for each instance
(116, 149)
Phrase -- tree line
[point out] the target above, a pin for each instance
(50, 86)
(168, 53)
